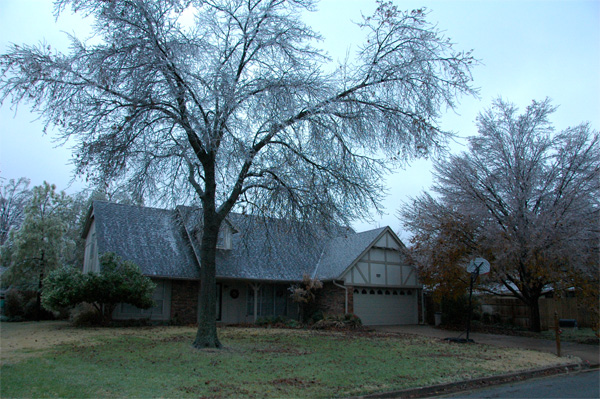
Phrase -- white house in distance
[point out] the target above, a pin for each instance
(258, 260)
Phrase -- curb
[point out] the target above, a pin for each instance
(477, 383)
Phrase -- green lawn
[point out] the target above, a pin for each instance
(261, 363)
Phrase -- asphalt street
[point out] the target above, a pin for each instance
(584, 384)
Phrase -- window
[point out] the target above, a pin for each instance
(280, 304)
(272, 301)
(224, 237)
(157, 309)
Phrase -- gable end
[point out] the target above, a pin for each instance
(383, 263)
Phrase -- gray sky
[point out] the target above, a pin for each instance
(528, 50)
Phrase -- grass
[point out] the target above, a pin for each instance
(258, 363)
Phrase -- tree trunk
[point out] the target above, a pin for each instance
(38, 303)
(106, 313)
(206, 337)
(534, 315)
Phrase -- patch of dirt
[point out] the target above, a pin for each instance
(27, 337)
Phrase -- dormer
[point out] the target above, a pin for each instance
(224, 237)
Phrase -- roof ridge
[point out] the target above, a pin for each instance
(245, 215)
(112, 203)
(372, 230)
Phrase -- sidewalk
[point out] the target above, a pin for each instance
(589, 353)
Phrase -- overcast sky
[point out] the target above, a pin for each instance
(528, 50)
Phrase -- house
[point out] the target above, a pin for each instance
(257, 261)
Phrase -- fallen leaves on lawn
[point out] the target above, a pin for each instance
(283, 350)
(294, 381)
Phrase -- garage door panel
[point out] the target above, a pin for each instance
(376, 306)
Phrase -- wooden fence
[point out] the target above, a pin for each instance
(513, 311)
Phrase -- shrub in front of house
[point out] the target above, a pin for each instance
(85, 315)
(347, 321)
(118, 282)
(277, 322)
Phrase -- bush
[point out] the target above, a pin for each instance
(315, 317)
(30, 309)
(455, 311)
(353, 320)
(14, 304)
(278, 322)
(22, 305)
(291, 323)
(64, 288)
(264, 321)
(305, 294)
(339, 322)
(118, 282)
(85, 315)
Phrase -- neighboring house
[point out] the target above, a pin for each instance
(258, 260)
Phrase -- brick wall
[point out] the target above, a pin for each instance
(331, 299)
(184, 301)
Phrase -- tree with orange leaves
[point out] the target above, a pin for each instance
(524, 197)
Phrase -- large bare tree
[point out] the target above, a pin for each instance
(239, 107)
(524, 196)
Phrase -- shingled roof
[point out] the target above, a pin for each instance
(162, 243)
(152, 238)
(280, 250)
(340, 252)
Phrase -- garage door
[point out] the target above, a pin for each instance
(379, 306)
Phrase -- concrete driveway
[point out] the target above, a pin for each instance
(587, 353)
